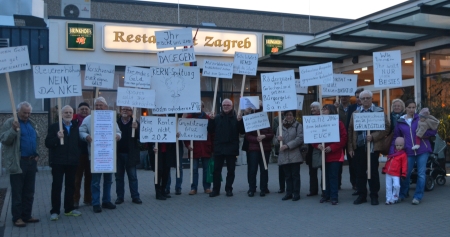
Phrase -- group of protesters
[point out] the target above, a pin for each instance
(70, 160)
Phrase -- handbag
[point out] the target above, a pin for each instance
(316, 158)
(386, 146)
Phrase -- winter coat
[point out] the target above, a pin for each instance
(202, 149)
(293, 138)
(134, 154)
(10, 140)
(337, 148)
(396, 164)
(253, 144)
(171, 153)
(403, 129)
(226, 131)
(67, 154)
(82, 144)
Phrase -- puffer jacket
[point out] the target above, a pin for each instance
(293, 138)
(396, 164)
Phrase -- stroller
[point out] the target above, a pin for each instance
(434, 174)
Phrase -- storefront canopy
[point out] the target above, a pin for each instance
(400, 25)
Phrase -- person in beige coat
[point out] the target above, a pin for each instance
(290, 157)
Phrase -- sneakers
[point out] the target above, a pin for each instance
(72, 213)
(415, 201)
(108, 205)
(54, 217)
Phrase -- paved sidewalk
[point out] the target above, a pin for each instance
(240, 215)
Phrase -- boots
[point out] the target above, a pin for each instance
(159, 193)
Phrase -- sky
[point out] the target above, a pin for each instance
(349, 9)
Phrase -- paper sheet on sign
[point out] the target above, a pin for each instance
(321, 128)
(387, 69)
(193, 129)
(157, 129)
(245, 63)
(14, 59)
(253, 122)
(99, 75)
(278, 91)
(368, 121)
(137, 77)
(218, 69)
(315, 75)
(249, 102)
(299, 88)
(174, 38)
(56, 81)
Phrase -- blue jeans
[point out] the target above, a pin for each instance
(22, 190)
(194, 184)
(179, 180)
(122, 166)
(332, 170)
(254, 159)
(421, 161)
(95, 188)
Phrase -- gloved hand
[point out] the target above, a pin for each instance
(415, 147)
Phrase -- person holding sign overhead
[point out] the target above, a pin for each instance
(290, 157)
(20, 142)
(357, 145)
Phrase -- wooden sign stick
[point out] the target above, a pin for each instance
(242, 93)
(60, 119)
(11, 97)
(177, 148)
(215, 97)
(280, 127)
(192, 161)
(156, 164)
(324, 184)
(97, 90)
(262, 151)
(368, 157)
(133, 131)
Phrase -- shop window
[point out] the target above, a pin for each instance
(436, 61)
(23, 90)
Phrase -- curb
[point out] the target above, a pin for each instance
(6, 206)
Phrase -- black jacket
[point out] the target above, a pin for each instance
(132, 143)
(226, 131)
(171, 154)
(67, 154)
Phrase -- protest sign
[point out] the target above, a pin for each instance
(278, 91)
(256, 121)
(158, 129)
(14, 59)
(300, 89)
(249, 102)
(53, 81)
(343, 84)
(99, 75)
(319, 74)
(177, 56)
(133, 97)
(245, 63)
(191, 129)
(103, 145)
(321, 128)
(217, 69)
(174, 38)
(300, 99)
(368, 121)
(137, 77)
(387, 69)
(177, 89)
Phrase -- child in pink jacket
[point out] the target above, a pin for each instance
(396, 167)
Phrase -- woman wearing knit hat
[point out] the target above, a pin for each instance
(426, 122)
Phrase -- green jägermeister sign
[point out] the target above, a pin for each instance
(272, 44)
(79, 36)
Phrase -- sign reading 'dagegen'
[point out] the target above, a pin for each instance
(53, 81)
(368, 121)
(137, 77)
(253, 122)
(178, 56)
(217, 69)
(245, 63)
(278, 91)
(177, 89)
(158, 129)
(193, 129)
(319, 74)
(99, 75)
(300, 89)
(174, 38)
(387, 69)
(133, 97)
(343, 84)
(14, 59)
(321, 128)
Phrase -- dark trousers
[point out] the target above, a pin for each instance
(292, 174)
(332, 170)
(84, 168)
(122, 167)
(163, 172)
(361, 173)
(254, 159)
(231, 166)
(281, 178)
(22, 190)
(60, 173)
(313, 180)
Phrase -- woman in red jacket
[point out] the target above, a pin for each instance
(334, 157)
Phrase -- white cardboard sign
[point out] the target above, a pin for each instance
(174, 38)
(99, 75)
(14, 59)
(253, 122)
(177, 56)
(300, 89)
(319, 74)
(54, 81)
(321, 128)
(249, 102)
(133, 97)
(387, 69)
(137, 77)
(245, 63)
(300, 99)
(368, 121)
(218, 69)
(343, 84)
(278, 91)
(103, 146)
(158, 129)
(177, 90)
(193, 129)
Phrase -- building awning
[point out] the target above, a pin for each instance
(401, 25)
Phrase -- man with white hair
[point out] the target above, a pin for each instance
(357, 149)
(85, 131)
(20, 141)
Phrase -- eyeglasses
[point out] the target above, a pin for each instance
(365, 98)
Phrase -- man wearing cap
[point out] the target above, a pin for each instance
(85, 131)
(84, 166)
